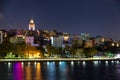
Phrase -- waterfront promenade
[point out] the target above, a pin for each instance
(60, 59)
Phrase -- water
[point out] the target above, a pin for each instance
(61, 70)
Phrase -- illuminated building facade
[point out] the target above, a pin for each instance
(88, 43)
(20, 39)
(29, 40)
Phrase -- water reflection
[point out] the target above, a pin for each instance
(95, 63)
(51, 71)
(63, 70)
(72, 63)
(117, 62)
(22, 64)
(84, 63)
(28, 72)
(60, 63)
(35, 64)
(106, 63)
(29, 64)
(38, 74)
(60, 70)
(56, 70)
(78, 62)
(9, 65)
(112, 61)
(18, 71)
(62, 66)
(117, 70)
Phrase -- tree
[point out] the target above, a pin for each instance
(59, 51)
(75, 44)
(93, 51)
(6, 47)
(48, 49)
(42, 50)
(90, 52)
(73, 51)
(20, 49)
(79, 51)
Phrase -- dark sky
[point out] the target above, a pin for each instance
(95, 17)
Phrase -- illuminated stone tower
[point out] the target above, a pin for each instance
(31, 25)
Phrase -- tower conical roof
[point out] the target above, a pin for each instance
(31, 21)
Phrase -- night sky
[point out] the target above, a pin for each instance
(95, 17)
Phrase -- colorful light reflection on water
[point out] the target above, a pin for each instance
(24, 70)
(18, 71)
(60, 70)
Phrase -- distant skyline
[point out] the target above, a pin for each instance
(95, 17)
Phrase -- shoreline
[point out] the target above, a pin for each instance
(60, 59)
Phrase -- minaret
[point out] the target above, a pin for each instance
(31, 25)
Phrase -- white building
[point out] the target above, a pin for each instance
(1, 36)
(57, 41)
